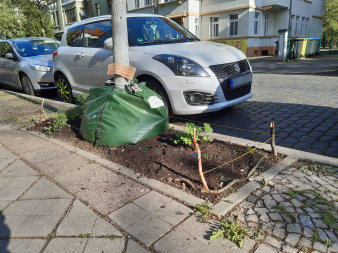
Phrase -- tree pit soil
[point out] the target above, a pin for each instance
(159, 159)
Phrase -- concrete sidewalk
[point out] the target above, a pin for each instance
(54, 199)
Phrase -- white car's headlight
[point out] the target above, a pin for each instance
(42, 68)
(181, 66)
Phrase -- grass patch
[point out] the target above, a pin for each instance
(203, 212)
(316, 236)
(88, 235)
(232, 231)
(283, 210)
(291, 193)
(328, 242)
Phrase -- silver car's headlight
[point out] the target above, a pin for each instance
(42, 68)
(181, 66)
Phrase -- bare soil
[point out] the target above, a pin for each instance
(158, 158)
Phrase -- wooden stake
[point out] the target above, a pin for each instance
(272, 135)
(200, 170)
(41, 109)
(255, 167)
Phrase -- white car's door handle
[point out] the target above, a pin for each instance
(80, 55)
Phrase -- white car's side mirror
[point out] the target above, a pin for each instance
(9, 56)
(108, 44)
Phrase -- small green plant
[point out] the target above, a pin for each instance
(251, 150)
(206, 156)
(263, 181)
(203, 212)
(328, 218)
(316, 236)
(232, 231)
(88, 235)
(188, 137)
(291, 193)
(57, 123)
(111, 237)
(283, 210)
(77, 111)
(50, 236)
(328, 242)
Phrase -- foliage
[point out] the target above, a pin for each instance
(251, 150)
(328, 242)
(77, 111)
(232, 231)
(11, 24)
(316, 236)
(56, 123)
(36, 18)
(203, 211)
(188, 137)
(240, 44)
(330, 21)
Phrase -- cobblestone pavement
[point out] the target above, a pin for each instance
(295, 212)
(304, 109)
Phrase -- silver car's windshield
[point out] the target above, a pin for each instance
(27, 48)
(152, 30)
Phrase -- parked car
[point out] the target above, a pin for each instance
(27, 64)
(191, 76)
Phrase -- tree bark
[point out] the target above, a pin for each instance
(120, 38)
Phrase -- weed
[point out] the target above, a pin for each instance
(91, 161)
(328, 242)
(291, 193)
(187, 138)
(112, 237)
(50, 236)
(203, 212)
(85, 202)
(317, 168)
(316, 236)
(77, 111)
(251, 150)
(206, 156)
(328, 218)
(232, 231)
(263, 181)
(88, 235)
(57, 123)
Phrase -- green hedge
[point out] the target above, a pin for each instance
(240, 44)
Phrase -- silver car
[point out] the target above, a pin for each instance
(192, 76)
(27, 64)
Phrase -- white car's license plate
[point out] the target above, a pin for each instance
(240, 80)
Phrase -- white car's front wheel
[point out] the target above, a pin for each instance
(26, 84)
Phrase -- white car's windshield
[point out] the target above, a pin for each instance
(152, 30)
(27, 48)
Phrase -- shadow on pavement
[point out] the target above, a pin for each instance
(4, 235)
(299, 126)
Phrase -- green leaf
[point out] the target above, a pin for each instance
(217, 234)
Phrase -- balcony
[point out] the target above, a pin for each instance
(276, 4)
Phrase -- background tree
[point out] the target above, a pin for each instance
(37, 18)
(11, 24)
(330, 23)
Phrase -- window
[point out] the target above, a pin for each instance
(70, 16)
(233, 24)
(266, 25)
(5, 48)
(137, 3)
(56, 18)
(148, 2)
(97, 9)
(96, 33)
(214, 27)
(82, 14)
(75, 36)
(307, 26)
(256, 23)
(297, 25)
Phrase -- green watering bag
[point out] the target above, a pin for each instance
(114, 117)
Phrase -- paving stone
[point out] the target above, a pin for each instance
(290, 209)
(268, 227)
(261, 210)
(149, 229)
(128, 215)
(277, 197)
(308, 232)
(286, 218)
(294, 228)
(292, 239)
(151, 201)
(250, 211)
(322, 234)
(319, 223)
(45, 154)
(134, 247)
(12, 187)
(253, 225)
(252, 218)
(272, 241)
(21, 245)
(331, 236)
(319, 246)
(253, 199)
(270, 203)
(305, 221)
(275, 217)
(44, 189)
(333, 248)
(309, 195)
(264, 217)
(73, 245)
(18, 169)
(288, 249)
(267, 197)
(266, 188)
(279, 232)
(296, 203)
(263, 248)
(309, 210)
(4, 203)
(315, 215)
(305, 243)
(246, 205)
(104, 245)
(280, 225)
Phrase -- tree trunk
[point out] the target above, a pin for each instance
(120, 37)
(88, 7)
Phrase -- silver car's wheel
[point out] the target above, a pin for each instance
(26, 84)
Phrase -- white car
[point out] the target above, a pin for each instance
(191, 76)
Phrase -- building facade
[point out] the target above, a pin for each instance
(257, 21)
